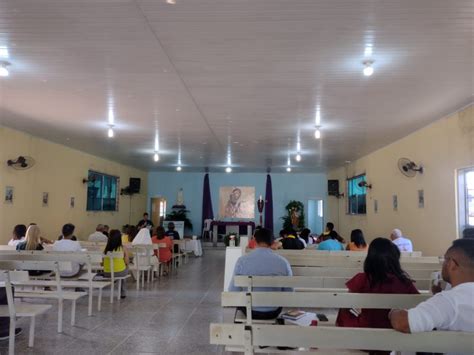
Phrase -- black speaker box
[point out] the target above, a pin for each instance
(333, 187)
(134, 185)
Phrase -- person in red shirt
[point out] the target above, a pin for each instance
(382, 274)
(164, 253)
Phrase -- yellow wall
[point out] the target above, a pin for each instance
(59, 170)
(442, 147)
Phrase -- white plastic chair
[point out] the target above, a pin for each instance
(207, 229)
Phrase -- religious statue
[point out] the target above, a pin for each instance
(294, 217)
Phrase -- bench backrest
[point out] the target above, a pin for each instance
(341, 261)
(349, 272)
(361, 254)
(308, 282)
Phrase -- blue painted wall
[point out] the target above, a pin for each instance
(286, 187)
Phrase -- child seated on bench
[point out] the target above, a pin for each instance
(114, 244)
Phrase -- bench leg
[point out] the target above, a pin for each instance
(60, 316)
(73, 313)
(11, 338)
(119, 289)
(112, 285)
(99, 300)
(31, 338)
(89, 312)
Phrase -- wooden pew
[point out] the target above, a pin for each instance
(306, 282)
(245, 338)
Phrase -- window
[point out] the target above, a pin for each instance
(356, 195)
(102, 192)
(466, 198)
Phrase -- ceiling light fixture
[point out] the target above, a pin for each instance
(110, 132)
(288, 169)
(156, 157)
(298, 157)
(317, 133)
(3, 69)
(228, 169)
(368, 69)
(179, 168)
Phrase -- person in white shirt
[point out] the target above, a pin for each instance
(18, 235)
(448, 310)
(142, 237)
(98, 236)
(66, 244)
(403, 244)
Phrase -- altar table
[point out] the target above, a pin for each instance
(224, 227)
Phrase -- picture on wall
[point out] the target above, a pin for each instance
(45, 199)
(395, 203)
(421, 198)
(237, 202)
(9, 194)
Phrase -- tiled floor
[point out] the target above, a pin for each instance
(171, 316)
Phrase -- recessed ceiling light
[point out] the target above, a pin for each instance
(156, 157)
(228, 169)
(288, 169)
(179, 168)
(110, 132)
(298, 157)
(317, 133)
(3, 69)
(368, 69)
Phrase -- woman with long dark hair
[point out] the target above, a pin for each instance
(165, 251)
(382, 274)
(357, 241)
(114, 244)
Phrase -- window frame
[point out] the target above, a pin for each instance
(349, 210)
(463, 199)
(91, 207)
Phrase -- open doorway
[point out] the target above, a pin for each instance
(158, 210)
(316, 216)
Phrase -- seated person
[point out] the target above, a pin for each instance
(252, 243)
(357, 241)
(262, 262)
(306, 236)
(32, 239)
(330, 233)
(67, 244)
(174, 235)
(404, 244)
(331, 243)
(106, 230)
(98, 236)
(165, 253)
(114, 244)
(18, 235)
(382, 274)
(448, 310)
(468, 233)
(142, 238)
(290, 241)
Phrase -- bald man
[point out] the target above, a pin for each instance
(447, 310)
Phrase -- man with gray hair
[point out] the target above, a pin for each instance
(403, 244)
(98, 236)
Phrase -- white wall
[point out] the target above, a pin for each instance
(442, 147)
(59, 170)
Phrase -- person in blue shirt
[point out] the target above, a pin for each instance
(331, 244)
(262, 262)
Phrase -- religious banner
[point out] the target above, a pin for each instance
(237, 202)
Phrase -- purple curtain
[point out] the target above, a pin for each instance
(268, 223)
(207, 212)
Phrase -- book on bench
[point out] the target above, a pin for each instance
(293, 315)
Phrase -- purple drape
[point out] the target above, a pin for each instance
(207, 212)
(269, 204)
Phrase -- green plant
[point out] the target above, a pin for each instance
(180, 215)
(227, 239)
(295, 208)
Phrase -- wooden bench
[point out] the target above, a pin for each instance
(349, 272)
(34, 262)
(315, 252)
(245, 337)
(301, 283)
(23, 310)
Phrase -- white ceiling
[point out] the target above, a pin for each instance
(244, 74)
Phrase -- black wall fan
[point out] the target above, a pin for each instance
(21, 163)
(408, 167)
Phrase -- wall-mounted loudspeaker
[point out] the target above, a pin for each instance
(134, 185)
(333, 187)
